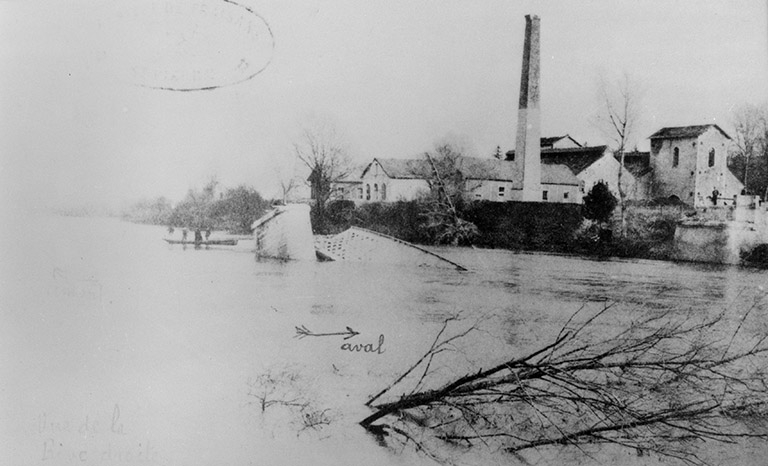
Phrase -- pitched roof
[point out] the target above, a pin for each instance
(412, 169)
(577, 159)
(503, 170)
(680, 132)
(488, 169)
(476, 169)
(552, 173)
(550, 141)
(353, 175)
(637, 163)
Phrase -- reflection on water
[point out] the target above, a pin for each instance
(102, 317)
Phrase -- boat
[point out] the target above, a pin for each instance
(210, 242)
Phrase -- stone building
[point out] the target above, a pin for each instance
(689, 163)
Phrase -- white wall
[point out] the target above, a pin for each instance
(487, 190)
(376, 181)
(605, 169)
(561, 193)
(718, 176)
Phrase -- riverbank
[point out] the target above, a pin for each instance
(551, 228)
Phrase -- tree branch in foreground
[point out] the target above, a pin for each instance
(656, 385)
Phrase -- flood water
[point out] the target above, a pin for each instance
(116, 348)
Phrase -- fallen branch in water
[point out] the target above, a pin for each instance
(654, 386)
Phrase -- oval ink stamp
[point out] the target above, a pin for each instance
(181, 45)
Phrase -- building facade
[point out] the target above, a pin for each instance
(690, 164)
(391, 180)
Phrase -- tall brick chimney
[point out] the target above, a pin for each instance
(528, 145)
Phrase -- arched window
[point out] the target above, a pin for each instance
(712, 158)
(676, 157)
(383, 191)
(367, 192)
(376, 192)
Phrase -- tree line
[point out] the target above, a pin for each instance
(209, 208)
(750, 159)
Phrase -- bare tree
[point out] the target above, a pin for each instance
(751, 130)
(618, 117)
(655, 386)
(450, 178)
(323, 150)
(288, 180)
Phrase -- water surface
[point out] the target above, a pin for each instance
(116, 348)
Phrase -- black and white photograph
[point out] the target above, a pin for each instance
(383, 233)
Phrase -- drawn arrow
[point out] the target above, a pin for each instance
(303, 331)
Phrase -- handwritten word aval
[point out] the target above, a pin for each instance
(364, 348)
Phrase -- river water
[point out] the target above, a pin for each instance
(116, 348)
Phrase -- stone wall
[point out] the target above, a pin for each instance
(699, 241)
(716, 177)
(723, 234)
(670, 180)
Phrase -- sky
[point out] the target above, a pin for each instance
(96, 106)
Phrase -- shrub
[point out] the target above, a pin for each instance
(757, 257)
(599, 202)
(524, 225)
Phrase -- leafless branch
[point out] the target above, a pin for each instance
(655, 385)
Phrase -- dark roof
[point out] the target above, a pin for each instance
(577, 159)
(558, 174)
(637, 163)
(546, 142)
(681, 132)
(474, 168)
(503, 170)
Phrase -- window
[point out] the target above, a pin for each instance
(501, 191)
(676, 157)
(712, 158)
(367, 192)
(383, 191)
(376, 191)
(360, 193)
(565, 195)
(544, 195)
